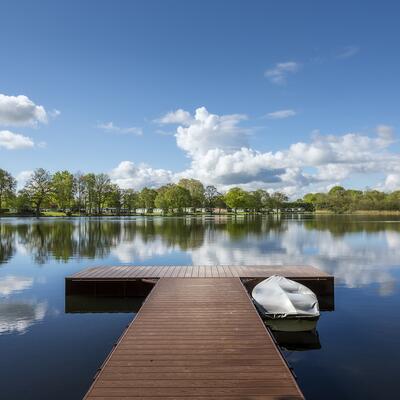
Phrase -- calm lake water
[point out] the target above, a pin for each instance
(47, 353)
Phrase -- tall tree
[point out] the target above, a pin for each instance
(259, 199)
(39, 188)
(219, 201)
(172, 197)
(161, 201)
(237, 198)
(90, 193)
(210, 195)
(102, 188)
(23, 203)
(130, 200)
(147, 197)
(264, 197)
(177, 197)
(63, 189)
(115, 198)
(196, 191)
(7, 186)
(277, 200)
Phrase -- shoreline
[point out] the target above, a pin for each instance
(228, 214)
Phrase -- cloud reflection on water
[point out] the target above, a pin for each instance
(357, 251)
(11, 284)
(17, 317)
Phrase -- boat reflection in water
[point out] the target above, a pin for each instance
(295, 334)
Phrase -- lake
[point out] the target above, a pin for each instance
(47, 353)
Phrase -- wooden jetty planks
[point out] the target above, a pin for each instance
(196, 338)
(192, 271)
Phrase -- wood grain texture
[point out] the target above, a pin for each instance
(196, 338)
(197, 271)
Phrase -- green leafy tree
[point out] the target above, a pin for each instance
(7, 187)
(310, 198)
(23, 203)
(102, 189)
(177, 197)
(259, 199)
(172, 197)
(90, 193)
(161, 201)
(196, 191)
(130, 200)
(278, 199)
(115, 198)
(337, 191)
(210, 196)
(237, 198)
(147, 197)
(338, 199)
(39, 188)
(219, 201)
(63, 189)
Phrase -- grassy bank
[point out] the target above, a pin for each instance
(358, 212)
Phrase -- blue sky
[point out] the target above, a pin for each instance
(289, 90)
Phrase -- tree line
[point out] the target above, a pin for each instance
(341, 200)
(95, 194)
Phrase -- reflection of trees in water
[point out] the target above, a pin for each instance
(96, 238)
(65, 239)
(45, 239)
(7, 245)
(238, 228)
(190, 233)
(341, 225)
(183, 232)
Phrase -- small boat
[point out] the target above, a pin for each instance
(279, 297)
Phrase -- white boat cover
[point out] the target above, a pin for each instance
(279, 297)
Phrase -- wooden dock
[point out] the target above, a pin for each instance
(198, 336)
(196, 339)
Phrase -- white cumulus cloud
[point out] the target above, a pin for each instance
(208, 131)
(219, 153)
(15, 141)
(129, 175)
(21, 111)
(175, 117)
(392, 182)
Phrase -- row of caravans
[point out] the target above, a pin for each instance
(193, 210)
